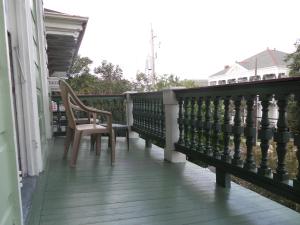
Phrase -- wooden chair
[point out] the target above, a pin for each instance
(76, 130)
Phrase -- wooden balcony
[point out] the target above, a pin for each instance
(142, 188)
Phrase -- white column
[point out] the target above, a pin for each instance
(129, 115)
(172, 131)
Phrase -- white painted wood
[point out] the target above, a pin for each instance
(129, 115)
(28, 88)
(10, 197)
(172, 131)
(43, 67)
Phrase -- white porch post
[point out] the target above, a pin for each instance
(129, 115)
(171, 125)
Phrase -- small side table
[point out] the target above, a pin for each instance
(120, 130)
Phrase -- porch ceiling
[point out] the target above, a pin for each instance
(61, 50)
(142, 188)
(64, 33)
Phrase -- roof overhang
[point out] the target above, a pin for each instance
(64, 34)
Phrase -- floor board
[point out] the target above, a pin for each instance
(141, 188)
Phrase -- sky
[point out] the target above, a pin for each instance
(194, 38)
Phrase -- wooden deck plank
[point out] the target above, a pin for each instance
(141, 188)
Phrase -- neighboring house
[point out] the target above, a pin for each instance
(25, 65)
(268, 64)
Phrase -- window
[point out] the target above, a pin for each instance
(254, 78)
(220, 82)
(269, 76)
(231, 81)
(242, 79)
(282, 75)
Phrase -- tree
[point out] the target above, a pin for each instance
(109, 72)
(84, 83)
(142, 82)
(188, 83)
(294, 61)
(80, 65)
(167, 80)
(112, 78)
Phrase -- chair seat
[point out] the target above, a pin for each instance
(83, 127)
(85, 120)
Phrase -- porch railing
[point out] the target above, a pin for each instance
(206, 132)
(149, 117)
(111, 103)
(221, 126)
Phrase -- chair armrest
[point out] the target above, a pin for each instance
(94, 111)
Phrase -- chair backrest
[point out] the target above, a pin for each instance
(70, 100)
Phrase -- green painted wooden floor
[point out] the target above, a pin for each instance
(143, 189)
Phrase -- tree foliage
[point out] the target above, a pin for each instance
(80, 65)
(142, 83)
(294, 61)
(109, 72)
(107, 79)
(167, 81)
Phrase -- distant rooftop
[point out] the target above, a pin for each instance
(267, 58)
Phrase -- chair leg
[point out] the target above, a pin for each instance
(127, 139)
(68, 140)
(109, 141)
(75, 149)
(98, 144)
(112, 146)
(93, 140)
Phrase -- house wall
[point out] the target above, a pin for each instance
(10, 201)
(25, 24)
(238, 71)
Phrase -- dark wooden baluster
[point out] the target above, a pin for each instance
(265, 134)
(133, 112)
(250, 133)
(192, 123)
(147, 115)
(282, 137)
(226, 131)
(180, 121)
(157, 117)
(135, 105)
(296, 181)
(150, 113)
(138, 115)
(162, 118)
(145, 101)
(237, 131)
(142, 113)
(200, 125)
(216, 128)
(208, 148)
(153, 116)
(186, 122)
(154, 130)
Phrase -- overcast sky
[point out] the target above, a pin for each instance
(197, 38)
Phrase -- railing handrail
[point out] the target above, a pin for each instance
(150, 93)
(95, 95)
(285, 85)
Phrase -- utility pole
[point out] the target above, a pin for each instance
(153, 75)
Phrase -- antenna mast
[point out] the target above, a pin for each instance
(153, 75)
